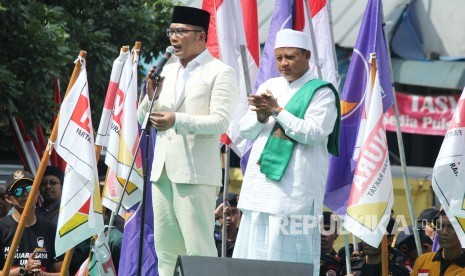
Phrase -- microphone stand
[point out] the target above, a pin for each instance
(145, 130)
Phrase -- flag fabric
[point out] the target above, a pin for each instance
(101, 262)
(103, 133)
(281, 19)
(449, 171)
(131, 237)
(371, 39)
(81, 209)
(371, 194)
(227, 41)
(25, 145)
(123, 139)
(55, 159)
(320, 11)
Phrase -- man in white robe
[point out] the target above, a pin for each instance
(281, 217)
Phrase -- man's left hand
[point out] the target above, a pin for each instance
(162, 120)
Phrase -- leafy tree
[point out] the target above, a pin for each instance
(40, 39)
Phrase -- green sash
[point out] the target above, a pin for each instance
(279, 147)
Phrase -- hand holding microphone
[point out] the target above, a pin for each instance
(156, 71)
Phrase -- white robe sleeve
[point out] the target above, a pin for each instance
(318, 121)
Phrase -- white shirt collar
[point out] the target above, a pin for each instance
(197, 60)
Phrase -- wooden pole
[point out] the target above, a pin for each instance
(38, 178)
(384, 257)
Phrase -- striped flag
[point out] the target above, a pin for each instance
(81, 209)
(449, 171)
(231, 35)
(371, 39)
(371, 194)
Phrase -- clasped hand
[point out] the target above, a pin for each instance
(264, 104)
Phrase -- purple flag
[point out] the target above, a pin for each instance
(371, 39)
(281, 19)
(129, 259)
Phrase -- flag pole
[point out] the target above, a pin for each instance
(347, 251)
(38, 177)
(384, 253)
(224, 231)
(29, 162)
(400, 143)
(384, 256)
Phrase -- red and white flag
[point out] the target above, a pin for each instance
(314, 18)
(122, 144)
(371, 195)
(449, 171)
(103, 133)
(80, 214)
(233, 38)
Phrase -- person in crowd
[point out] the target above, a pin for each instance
(50, 189)
(192, 108)
(330, 264)
(233, 216)
(36, 251)
(370, 262)
(405, 242)
(449, 260)
(4, 205)
(425, 222)
(294, 122)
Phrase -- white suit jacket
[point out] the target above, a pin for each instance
(191, 152)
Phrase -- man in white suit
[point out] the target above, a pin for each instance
(193, 109)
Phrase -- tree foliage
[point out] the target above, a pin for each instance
(40, 40)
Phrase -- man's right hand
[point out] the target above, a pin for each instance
(152, 84)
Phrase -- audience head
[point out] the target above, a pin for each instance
(405, 242)
(447, 237)
(52, 184)
(329, 231)
(233, 214)
(425, 221)
(18, 187)
(4, 205)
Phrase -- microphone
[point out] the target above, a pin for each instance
(169, 52)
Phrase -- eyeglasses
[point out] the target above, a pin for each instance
(51, 182)
(179, 32)
(19, 191)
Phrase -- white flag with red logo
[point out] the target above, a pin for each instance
(80, 214)
(124, 136)
(232, 38)
(371, 195)
(449, 171)
(103, 133)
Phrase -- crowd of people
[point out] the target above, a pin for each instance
(294, 122)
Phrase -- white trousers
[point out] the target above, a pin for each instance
(263, 236)
(183, 221)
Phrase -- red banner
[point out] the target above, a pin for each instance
(428, 115)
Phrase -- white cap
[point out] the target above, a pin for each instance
(291, 38)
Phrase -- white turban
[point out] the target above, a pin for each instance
(291, 38)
